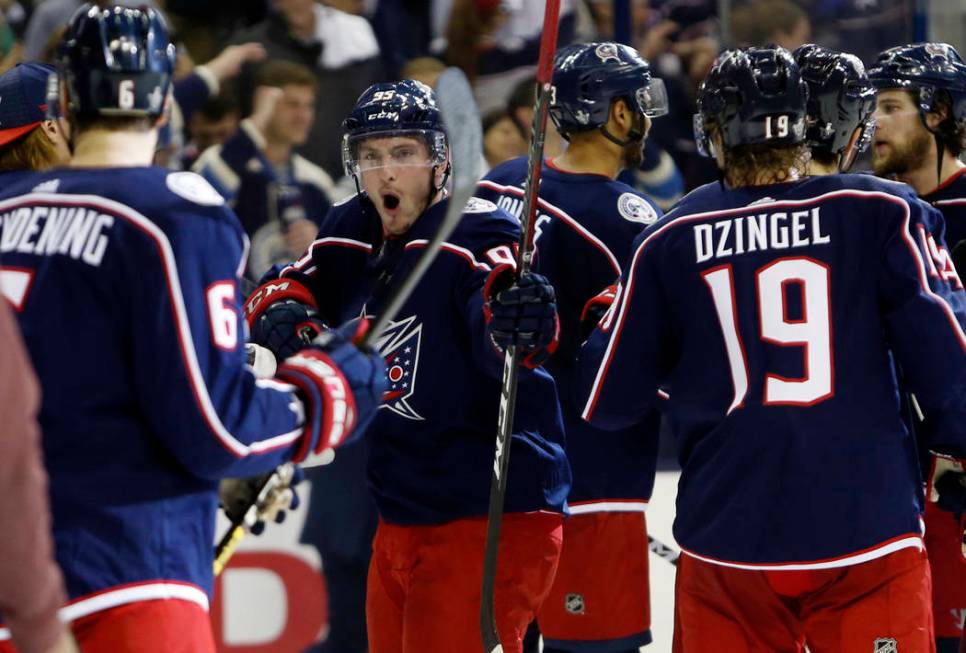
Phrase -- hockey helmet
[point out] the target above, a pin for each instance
(752, 95)
(405, 108)
(840, 98)
(116, 61)
(588, 77)
(928, 67)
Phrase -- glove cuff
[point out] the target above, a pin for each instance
(274, 291)
(500, 277)
(330, 405)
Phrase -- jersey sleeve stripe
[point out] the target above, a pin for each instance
(189, 355)
(454, 249)
(306, 258)
(562, 216)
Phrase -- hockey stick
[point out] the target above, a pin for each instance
(662, 550)
(243, 523)
(511, 361)
(465, 138)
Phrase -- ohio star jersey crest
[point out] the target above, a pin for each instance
(430, 447)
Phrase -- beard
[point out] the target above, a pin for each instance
(633, 155)
(902, 158)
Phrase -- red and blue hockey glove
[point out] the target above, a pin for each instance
(522, 314)
(281, 317)
(341, 386)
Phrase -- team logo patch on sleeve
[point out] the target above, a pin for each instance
(479, 205)
(636, 209)
(194, 188)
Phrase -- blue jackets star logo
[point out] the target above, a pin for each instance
(399, 345)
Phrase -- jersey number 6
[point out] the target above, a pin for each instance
(812, 331)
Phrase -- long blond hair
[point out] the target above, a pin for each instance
(32, 151)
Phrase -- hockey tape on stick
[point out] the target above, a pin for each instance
(662, 550)
(511, 361)
(239, 527)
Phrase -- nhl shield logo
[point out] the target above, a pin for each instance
(574, 603)
(885, 645)
(399, 345)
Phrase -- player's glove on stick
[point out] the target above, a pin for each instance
(522, 314)
(237, 494)
(282, 318)
(342, 387)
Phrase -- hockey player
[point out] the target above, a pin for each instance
(797, 505)
(841, 101)
(920, 133)
(602, 102)
(29, 140)
(430, 449)
(125, 279)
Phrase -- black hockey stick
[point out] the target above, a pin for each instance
(662, 550)
(465, 138)
(511, 361)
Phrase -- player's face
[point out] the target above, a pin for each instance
(396, 175)
(293, 115)
(902, 144)
(634, 152)
(205, 132)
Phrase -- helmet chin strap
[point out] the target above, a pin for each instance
(940, 148)
(634, 135)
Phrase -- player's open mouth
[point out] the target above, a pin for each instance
(390, 201)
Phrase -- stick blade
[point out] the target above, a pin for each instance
(462, 120)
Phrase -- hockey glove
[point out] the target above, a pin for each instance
(523, 314)
(236, 495)
(281, 317)
(947, 483)
(341, 386)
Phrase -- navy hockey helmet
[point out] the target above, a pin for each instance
(405, 108)
(840, 98)
(928, 68)
(116, 61)
(588, 77)
(752, 95)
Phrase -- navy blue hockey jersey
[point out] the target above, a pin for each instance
(584, 230)
(431, 445)
(950, 198)
(125, 281)
(772, 311)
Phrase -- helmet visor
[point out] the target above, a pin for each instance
(406, 148)
(652, 99)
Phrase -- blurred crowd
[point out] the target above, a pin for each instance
(263, 85)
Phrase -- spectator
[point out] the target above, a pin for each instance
(520, 107)
(780, 22)
(31, 585)
(502, 139)
(340, 48)
(212, 124)
(423, 69)
(279, 196)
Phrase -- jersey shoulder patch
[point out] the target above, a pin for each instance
(479, 205)
(194, 188)
(636, 209)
